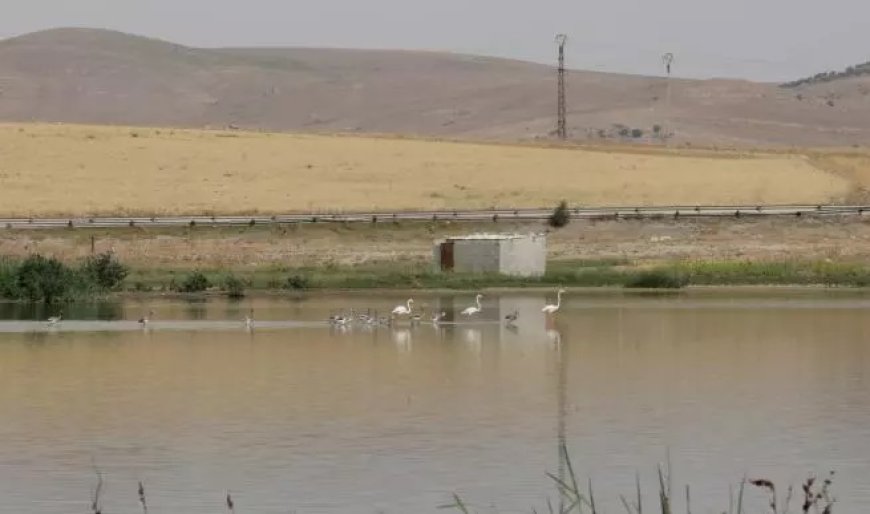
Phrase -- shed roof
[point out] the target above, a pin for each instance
(488, 237)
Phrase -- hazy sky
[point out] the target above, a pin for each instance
(759, 39)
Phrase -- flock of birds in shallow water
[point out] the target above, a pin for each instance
(369, 318)
(406, 310)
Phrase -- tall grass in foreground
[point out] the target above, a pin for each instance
(815, 496)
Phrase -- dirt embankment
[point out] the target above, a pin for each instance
(650, 241)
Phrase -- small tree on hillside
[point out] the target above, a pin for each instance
(561, 215)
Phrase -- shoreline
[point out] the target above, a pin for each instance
(107, 276)
(691, 290)
(685, 255)
(697, 277)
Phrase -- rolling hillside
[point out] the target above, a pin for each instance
(104, 77)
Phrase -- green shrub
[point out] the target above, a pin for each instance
(196, 282)
(297, 282)
(105, 270)
(9, 279)
(44, 279)
(561, 215)
(657, 279)
(141, 287)
(234, 286)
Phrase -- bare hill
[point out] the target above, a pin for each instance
(98, 76)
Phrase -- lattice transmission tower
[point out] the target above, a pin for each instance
(561, 117)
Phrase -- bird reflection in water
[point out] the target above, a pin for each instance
(473, 339)
(402, 339)
(341, 329)
(554, 337)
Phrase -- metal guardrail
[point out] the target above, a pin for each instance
(676, 211)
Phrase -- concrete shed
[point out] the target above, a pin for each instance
(509, 254)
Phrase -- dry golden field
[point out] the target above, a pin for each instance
(78, 170)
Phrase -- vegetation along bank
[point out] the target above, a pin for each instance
(47, 279)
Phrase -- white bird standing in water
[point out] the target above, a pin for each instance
(54, 320)
(551, 309)
(439, 317)
(403, 310)
(474, 309)
(249, 320)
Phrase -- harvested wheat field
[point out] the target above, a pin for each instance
(92, 170)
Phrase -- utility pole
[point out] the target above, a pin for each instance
(667, 61)
(561, 121)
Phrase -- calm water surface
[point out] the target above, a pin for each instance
(296, 416)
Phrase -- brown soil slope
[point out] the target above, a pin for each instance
(97, 76)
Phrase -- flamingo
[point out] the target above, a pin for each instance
(249, 320)
(144, 320)
(439, 317)
(551, 309)
(474, 309)
(512, 317)
(403, 310)
(54, 320)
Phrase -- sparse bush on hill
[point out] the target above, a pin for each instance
(561, 215)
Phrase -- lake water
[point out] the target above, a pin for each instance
(298, 416)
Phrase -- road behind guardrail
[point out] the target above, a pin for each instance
(675, 211)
